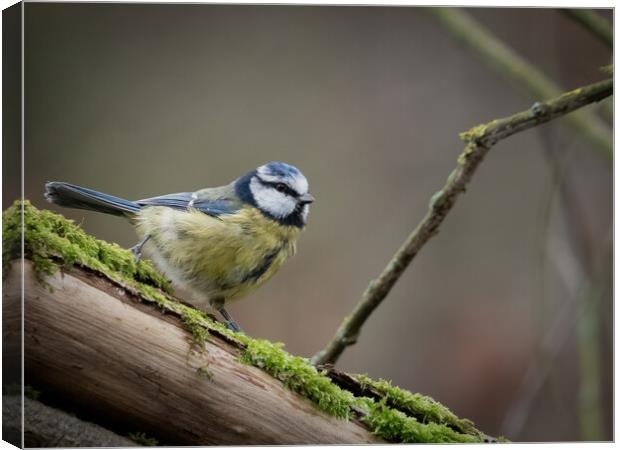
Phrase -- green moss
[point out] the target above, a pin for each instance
(205, 372)
(300, 376)
(31, 392)
(192, 321)
(11, 235)
(420, 406)
(381, 417)
(396, 426)
(142, 439)
(51, 240)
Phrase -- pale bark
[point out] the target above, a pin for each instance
(95, 345)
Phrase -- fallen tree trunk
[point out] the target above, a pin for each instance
(93, 344)
(105, 340)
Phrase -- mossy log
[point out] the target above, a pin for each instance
(93, 344)
(104, 335)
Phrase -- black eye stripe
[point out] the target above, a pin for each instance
(285, 189)
(274, 184)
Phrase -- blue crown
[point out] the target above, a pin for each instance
(280, 169)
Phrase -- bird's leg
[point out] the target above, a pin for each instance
(137, 249)
(218, 304)
(230, 322)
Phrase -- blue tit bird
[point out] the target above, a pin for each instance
(218, 243)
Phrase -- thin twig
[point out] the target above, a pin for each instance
(582, 294)
(588, 337)
(479, 140)
(590, 399)
(594, 22)
(504, 59)
(590, 410)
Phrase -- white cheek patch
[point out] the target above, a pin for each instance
(268, 199)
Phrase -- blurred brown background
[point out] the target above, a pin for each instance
(141, 100)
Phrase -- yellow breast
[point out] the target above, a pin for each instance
(217, 258)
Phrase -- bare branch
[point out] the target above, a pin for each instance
(479, 140)
(507, 61)
(594, 22)
(582, 294)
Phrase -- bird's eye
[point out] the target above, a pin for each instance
(280, 187)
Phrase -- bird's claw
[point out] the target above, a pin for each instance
(137, 249)
(137, 252)
(232, 326)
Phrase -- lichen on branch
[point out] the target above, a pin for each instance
(507, 61)
(479, 140)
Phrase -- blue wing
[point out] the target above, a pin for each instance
(213, 207)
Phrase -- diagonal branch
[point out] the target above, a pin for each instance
(479, 141)
(594, 22)
(508, 62)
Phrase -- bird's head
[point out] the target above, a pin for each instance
(278, 190)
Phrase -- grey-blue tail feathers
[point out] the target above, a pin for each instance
(72, 196)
